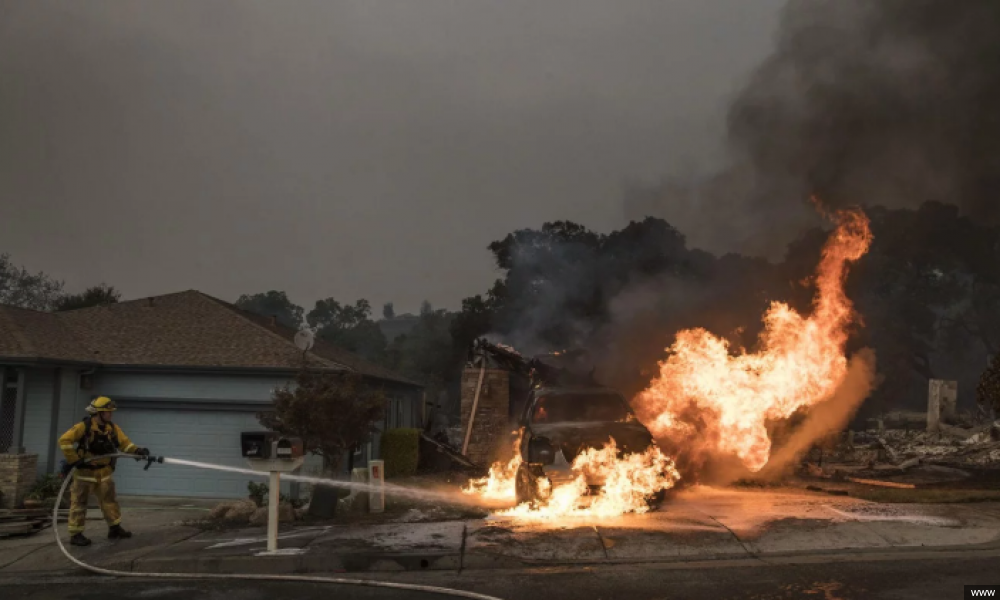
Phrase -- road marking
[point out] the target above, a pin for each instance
(256, 540)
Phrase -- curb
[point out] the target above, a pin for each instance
(320, 563)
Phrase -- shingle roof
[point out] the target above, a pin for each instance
(321, 349)
(186, 329)
(30, 334)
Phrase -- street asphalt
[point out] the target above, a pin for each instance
(707, 543)
(896, 579)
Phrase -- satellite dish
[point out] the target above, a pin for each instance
(304, 339)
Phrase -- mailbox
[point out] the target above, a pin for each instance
(274, 454)
(288, 448)
(266, 445)
(257, 444)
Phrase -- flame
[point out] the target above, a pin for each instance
(628, 482)
(709, 401)
(498, 486)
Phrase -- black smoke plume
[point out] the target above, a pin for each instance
(871, 102)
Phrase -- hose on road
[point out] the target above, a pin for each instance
(430, 589)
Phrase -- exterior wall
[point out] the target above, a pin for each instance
(72, 401)
(55, 400)
(39, 394)
(215, 387)
(492, 419)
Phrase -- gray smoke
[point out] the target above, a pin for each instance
(889, 102)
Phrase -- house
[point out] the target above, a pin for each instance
(189, 372)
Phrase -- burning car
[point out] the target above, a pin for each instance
(580, 451)
(558, 424)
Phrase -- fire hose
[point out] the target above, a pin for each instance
(249, 576)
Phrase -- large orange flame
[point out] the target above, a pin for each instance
(628, 483)
(708, 397)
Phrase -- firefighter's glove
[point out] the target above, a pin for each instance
(144, 452)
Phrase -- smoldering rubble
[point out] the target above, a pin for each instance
(898, 450)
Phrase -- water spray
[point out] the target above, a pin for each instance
(390, 488)
(247, 577)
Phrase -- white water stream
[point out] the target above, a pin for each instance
(389, 488)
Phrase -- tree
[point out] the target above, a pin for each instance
(20, 288)
(273, 304)
(426, 308)
(98, 295)
(388, 311)
(349, 327)
(331, 412)
(426, 353)
(476, 318)
(926, 292)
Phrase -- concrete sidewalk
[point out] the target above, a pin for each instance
(701, 524)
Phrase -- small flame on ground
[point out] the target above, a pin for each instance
(498, 486)
(709, 402)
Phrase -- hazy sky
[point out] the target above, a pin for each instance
(348, 149)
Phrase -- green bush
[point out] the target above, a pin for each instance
(46, 487)
(400, 451)
(259, 495)
(258, 492)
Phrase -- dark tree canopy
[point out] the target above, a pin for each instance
(21, 288)
(273, 304)
(98, 295)
(349, 326)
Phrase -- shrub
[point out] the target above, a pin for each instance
(46, 487)
(258, 492)
(259, 495)
(400, 451)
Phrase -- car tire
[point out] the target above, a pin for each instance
(525, 486)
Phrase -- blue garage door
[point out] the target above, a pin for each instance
(201, 435)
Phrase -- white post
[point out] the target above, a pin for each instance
(273, 497)
(376, 478)
(934, 405)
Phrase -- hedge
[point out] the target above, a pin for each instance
(400, 451)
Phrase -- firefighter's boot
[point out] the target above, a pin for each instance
(117, 532)
(79, 539)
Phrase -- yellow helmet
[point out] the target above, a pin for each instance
(101, 404)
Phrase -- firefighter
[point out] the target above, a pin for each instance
(97, 435)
